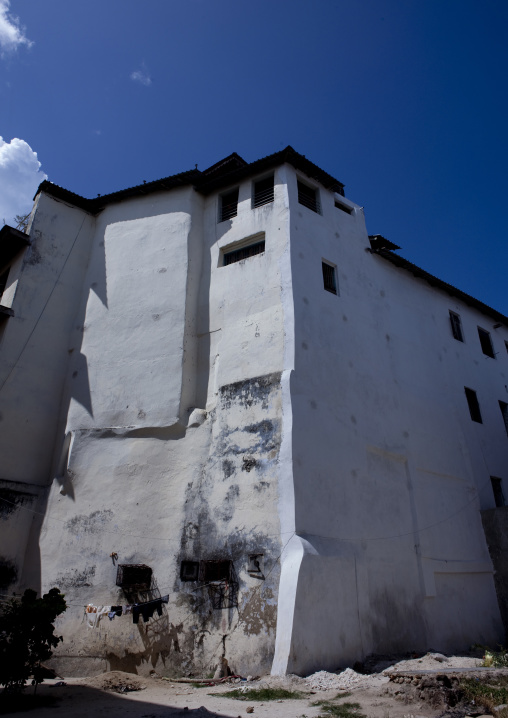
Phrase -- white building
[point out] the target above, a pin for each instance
(219, 378)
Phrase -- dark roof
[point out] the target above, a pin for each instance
(227, 171)
(435, 282)
(12, 241)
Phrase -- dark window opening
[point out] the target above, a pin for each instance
(486, 343)
(215, 571)
(236, 255)
(343, 207)
(474, 406)
(263, 192)
(506, 345)
(255, 564)
(134, 576)
(504, 411)
(329, 279)
(497, 488)
(189, 571)
(229, 205)
(308, 196)
(456, 326)
(3, 280)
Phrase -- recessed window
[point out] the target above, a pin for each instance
(215, 571)
(486, 343)
(343, 207)
(134, 576)
(309, 197)
(244, 250)
(189, 571)
(263, 192)
(456, 326)
(329, 277)
(228, 205)
(255, 564)
(497, 488)
(504, 411)
(506, 346)
(474, 406)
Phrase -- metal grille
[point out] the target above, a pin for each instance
(456, 326)
(474, 406)
(223, 594)
(189, 570)
(215, 571)
(244, 252)
(486, 343)
(134, 576)
(308, 196)
(329, 281)
(263, 192)
(229, 205)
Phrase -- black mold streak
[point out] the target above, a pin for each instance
(76, 579)
(8, 573)
(88, 524)
(11, 501)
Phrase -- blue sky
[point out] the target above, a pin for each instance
(404, 101)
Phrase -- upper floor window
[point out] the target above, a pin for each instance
(456, 326)
(3, 280)
(329, 277)
(309, 197)
(474, 406)
(344, 207)
(263, 192)
(228, 205)
(497, 488)
(504, 411)
(244, 249)
(486, 343)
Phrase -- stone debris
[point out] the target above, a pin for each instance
(324, 681)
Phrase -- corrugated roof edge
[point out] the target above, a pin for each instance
(435, 282)
(199, 180)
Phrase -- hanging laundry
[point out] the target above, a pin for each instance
(94, 614)
(115, 611)
(148, 609)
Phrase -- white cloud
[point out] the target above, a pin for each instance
(140, 76)
(12, 34)
(20, 175)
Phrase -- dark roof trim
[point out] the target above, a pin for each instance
(377, 241)
(227, 171)
(435, 282)
(12, 241)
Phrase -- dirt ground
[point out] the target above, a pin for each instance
(414, 688)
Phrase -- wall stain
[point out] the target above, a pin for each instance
(92, 524)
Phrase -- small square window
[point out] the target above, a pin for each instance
(504, 411)
(228, 205)
(263, 192)
(486, 343)
(189, 571)
(309, 197)
(497, 488)
(329, 277)
(255, 564)
(215, 571)
(474, 406)
(456, 326)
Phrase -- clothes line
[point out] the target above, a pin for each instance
(93, 614)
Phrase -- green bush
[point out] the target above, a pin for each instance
(27, 637)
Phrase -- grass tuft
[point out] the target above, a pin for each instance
(341, 710)
(260, 694)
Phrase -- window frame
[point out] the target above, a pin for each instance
(265, 196)
(497, 489)
(228, 211)
(315, 204)
(344, 207)
(456, 325)
(474, 405)
(334, 287)
(486, 342)
(255, 240)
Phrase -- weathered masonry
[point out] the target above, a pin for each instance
(221, 399)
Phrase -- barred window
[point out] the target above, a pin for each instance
(263, 192)
(474, 406)
(456, 326)
(228, 205)
(329, 277)
(309, 197)
(486, 343)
